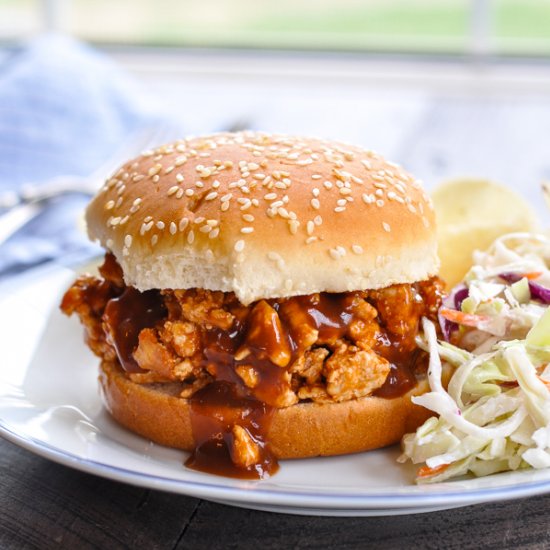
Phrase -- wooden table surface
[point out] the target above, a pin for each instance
(446, 132)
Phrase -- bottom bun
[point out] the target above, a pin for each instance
(155, 411)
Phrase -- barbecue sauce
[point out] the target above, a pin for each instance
(126, 316)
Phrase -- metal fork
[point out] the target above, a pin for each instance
(32, 198)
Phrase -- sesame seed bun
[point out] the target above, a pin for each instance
(156, 411)
(265, 216)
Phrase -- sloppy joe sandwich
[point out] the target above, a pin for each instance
(260, 298)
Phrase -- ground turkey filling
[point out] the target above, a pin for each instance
(321, 347)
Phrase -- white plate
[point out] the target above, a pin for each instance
(49, 405)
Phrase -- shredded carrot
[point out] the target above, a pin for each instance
(462, 318)
(426, 471)
(532, 275)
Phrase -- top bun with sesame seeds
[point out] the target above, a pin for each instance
(265, 216)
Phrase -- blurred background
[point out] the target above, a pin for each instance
(448, 88)
(511, 27)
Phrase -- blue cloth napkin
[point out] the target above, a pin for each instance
(64, 109)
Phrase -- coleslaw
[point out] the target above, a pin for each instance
(494, 414)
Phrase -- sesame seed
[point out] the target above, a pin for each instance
(156, 178)
(189, 192)
(315, 203)
(400, 188)
(310, 227)
(179, 193)
(211, 196)
(160, 225)
(379, 193)
(345, 191)
(227, 197)
(293, 226)
(283, 212)
(179, 178)
(356, 249)
(154, 170)
(411, 208)
(367, 164)
(327, 184)
(334, 254)
(310, 240)
(239, 246)
(169, 169)
(173, 228)
(184, 222)
(205, 229)
(128, 241)
(199, 184)
(339, 208)
(315, 192)
(380, 203)
(110, 205)
(174, 189)
(248, 218)
(180, 160)
(341, 250)
(367, 199)
(247, 230)
(109, 243)
(214, 233)
(316, 176)
(270, 196)
(190, 236)
(154, 239)
(224, 207)
(199, 219)
(386, 226)
(341, 202)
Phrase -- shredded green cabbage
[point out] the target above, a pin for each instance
(494, 414)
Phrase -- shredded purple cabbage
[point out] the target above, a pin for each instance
(538, 292)
(453, 301)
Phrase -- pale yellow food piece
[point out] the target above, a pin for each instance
(471, 214)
